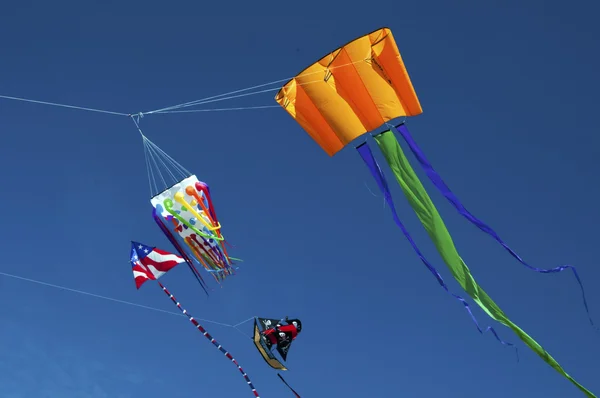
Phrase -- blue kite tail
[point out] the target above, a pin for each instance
(377, 173)
(436, 179)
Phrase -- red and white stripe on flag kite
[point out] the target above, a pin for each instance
(150, 263)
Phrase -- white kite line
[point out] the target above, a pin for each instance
(117, 300)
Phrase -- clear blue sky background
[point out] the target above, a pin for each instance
(509, 91)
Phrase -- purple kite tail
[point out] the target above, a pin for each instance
(288, 386)
(377, 173)
(436, 179)
(212, 340)
(180, 250)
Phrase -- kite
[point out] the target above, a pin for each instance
(150, 263)
(187, 209)
(271, 333)
(185, 213)
(363, 87)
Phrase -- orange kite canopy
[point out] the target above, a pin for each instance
(350, 91)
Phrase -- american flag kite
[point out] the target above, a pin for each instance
(150, 263)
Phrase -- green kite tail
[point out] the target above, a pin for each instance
(432, 221)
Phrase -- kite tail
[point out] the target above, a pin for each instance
(212, 340)
(181, 252)
(288, 386)
(434, 225)
(367, 156)
(439, 183)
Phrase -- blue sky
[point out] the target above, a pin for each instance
(509, 93)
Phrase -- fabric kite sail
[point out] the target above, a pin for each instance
(264, 346)
(186, 211)
(360, 88)
(150, 263)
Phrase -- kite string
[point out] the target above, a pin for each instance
(239, 108)
(63, 105)
(157, 159)
(224, 97)
(7, 97)
(214, 97)
(118, 301)
(170, 109)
